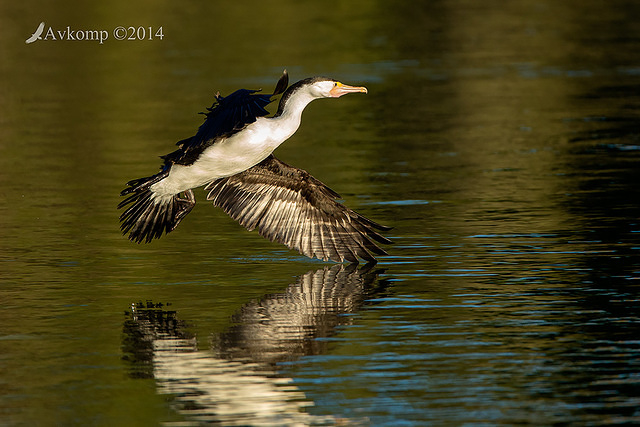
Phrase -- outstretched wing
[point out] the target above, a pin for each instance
(289, 206)
(227, 115)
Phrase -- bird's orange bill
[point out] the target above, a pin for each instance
(341, 89)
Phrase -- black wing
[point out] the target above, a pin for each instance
(290, 206)
(226, 116)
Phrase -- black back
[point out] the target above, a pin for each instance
(226, 116)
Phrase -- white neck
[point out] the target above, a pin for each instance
(289, 120)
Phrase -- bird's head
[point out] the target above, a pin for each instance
(322, 87)
(301, 93)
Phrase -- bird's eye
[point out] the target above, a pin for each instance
(335, 84)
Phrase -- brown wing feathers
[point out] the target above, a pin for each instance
(289, 206)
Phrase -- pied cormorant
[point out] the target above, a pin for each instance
(231, 155)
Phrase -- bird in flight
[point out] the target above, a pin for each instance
(231, 155)
(37, 35)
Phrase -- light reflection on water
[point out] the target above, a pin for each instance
(499, 139)
(236, 382)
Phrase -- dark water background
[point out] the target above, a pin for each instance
(501, 140)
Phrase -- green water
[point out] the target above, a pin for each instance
(500, 140)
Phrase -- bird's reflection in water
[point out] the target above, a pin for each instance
(236, 381)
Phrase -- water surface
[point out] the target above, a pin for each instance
(501, 141)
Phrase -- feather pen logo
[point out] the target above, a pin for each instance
(37, 35)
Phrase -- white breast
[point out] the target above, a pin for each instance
(229, 156)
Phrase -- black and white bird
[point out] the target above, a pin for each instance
(231, 155)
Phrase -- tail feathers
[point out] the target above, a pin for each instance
(140, 184)
(148, 215)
